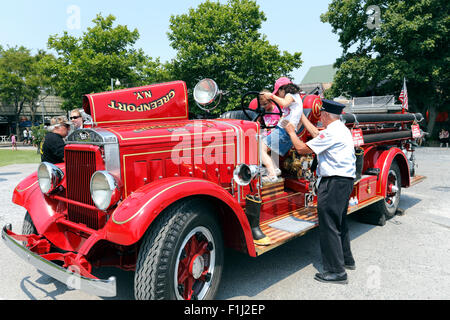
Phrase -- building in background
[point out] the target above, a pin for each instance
(49, 106)
(318, 77)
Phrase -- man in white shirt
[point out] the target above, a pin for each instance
(335, 153)
(25, 136)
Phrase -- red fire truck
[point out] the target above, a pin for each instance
(145, 188)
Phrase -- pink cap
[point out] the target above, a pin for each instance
(253, 104)
(281, 82)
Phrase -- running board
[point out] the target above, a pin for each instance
(417, 179)
(364, 204)
(279, 236)
(296, 223)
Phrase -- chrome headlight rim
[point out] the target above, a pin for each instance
(49, 177)
(104, 184)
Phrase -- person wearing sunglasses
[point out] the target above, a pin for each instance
(52, 147)
(76, 119)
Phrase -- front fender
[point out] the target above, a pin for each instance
(133, 216)
(24, 189)
(42, 209)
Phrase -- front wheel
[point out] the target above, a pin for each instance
(28, 225)
(181, 256)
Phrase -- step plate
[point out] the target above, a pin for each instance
(278, 236)
(292, 224)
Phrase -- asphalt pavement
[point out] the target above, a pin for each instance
(408, 258)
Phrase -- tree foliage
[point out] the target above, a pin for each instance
(410, 40)
(17, 79)
(87, 64)
(223, 42)
(21, 81)
(38, 133)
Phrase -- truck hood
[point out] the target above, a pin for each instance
(170, 131)
(153, 103)
(167, 132)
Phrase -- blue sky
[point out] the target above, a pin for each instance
(292, 25)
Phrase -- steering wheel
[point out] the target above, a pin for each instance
(259, 112)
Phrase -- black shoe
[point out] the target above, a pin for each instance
(330, 277)
(350, 266)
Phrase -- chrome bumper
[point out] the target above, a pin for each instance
(98, 287)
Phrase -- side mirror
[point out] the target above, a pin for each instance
(206, 93)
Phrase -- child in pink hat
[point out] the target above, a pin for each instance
(286, 95)
(279, 83)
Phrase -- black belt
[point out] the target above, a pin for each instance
(341, 177)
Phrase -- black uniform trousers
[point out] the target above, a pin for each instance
(332, 203)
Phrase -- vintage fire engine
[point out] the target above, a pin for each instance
(145, 188)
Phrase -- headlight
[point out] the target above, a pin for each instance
(104, 190)
(49, 177)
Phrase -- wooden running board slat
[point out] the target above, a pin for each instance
(364, 204)
(272, 189)
(417, 179)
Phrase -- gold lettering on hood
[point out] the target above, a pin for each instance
(122, 106)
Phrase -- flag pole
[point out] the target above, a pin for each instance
(404, 92)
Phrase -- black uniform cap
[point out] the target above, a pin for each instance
(332, 106)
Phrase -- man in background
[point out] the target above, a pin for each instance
(76, 118)
(52, 148)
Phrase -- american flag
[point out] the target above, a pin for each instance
(404, 96)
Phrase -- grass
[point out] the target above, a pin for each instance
(8, 156)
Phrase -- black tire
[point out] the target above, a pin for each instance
(185, 243)
(381, 211)
(28, 225)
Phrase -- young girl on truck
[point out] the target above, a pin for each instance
(288, 98)
(270, 120)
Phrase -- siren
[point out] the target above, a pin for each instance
(243, 174)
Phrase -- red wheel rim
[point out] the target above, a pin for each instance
(392, 188)
(195, 265)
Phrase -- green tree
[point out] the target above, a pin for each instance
(42, 80)
(104, 52)
(38, 134)
(223, 42)
(19, 81)
(384, 41)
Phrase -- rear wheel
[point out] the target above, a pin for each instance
(181, 255)
(381, 211)
(393, 191)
